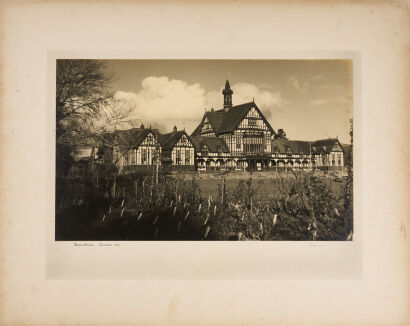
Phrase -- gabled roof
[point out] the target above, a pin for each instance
(130, 138)
(168, 141)
(325, 145)
(297, 146)
(212, 143)
(318, 150)
(303, 147)
(224, 121)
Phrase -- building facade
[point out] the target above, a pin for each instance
(178, 152)
(237, 138)
(132, 151)
(244, 130)
(253, 144)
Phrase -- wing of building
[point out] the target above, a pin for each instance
(178, 151)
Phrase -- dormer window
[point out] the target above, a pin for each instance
(289, 151)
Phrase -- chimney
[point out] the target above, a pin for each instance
(175, 129)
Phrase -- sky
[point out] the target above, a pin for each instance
(309, 99)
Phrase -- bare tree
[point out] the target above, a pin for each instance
(117, 114)
(85, 108)
(81, 92)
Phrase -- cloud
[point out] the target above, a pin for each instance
(164, 98)
(168, 102)
(318, 102)
(267, 100)
(295, 84)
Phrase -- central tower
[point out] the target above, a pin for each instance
(227, 93)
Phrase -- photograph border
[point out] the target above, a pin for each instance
(204, 259)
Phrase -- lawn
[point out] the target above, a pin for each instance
(265, 181)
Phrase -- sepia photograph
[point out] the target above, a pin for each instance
(204, 150)
(204, 163)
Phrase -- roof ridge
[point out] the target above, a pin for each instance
(234, 106)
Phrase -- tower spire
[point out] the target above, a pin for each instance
(227, 93)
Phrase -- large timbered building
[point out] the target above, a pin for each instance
(244, 130)
(235, 137)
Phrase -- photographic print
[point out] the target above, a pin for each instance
(204, 150)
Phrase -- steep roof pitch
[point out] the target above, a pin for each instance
(303, 147)
(212, 143)
(224, 121)
(279, 145)
(297, 146)
(131, 138)
(325, 145)
(168, 141)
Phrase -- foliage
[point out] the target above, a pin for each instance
(299, 207)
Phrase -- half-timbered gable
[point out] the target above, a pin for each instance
(177, 149)
(133, 147)
(148, 150)
(328, 153)
(243, 127)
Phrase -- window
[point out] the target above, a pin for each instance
(238, 145)
(178, 157)
(132, 157)
(144, 156)
(333, 159)
(251, 122)
(153, 156)
(253, 144)
(187, 157)
(205, 150)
